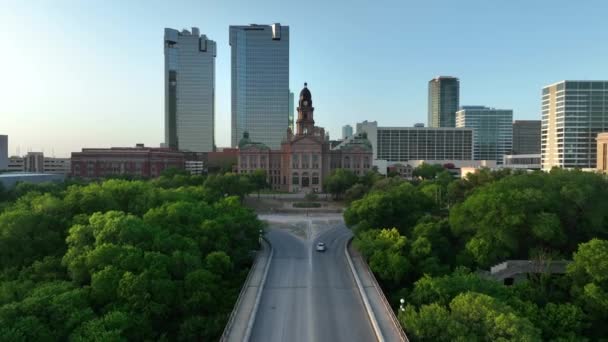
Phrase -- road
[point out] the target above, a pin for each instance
(309, 295)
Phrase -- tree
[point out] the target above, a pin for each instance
(258, 180)
(339, 181)
(427, 171)
(385, 252)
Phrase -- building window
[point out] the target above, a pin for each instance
(295, 163)
(315, 161)
(366, 162)
(315, 178)
(295, 179)
(305, 180)
(243, 162)
(262, 162)
(347, 162)
(305, 161)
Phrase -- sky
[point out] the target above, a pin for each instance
(90, 73)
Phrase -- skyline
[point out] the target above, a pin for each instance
(92, 76)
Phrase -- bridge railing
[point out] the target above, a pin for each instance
(230, 322)
(387, 306)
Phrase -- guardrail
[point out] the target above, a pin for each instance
(230, 322)
(387, 306)
(368, 308)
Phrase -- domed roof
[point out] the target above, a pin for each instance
(305, 93)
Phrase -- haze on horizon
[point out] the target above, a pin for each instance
(90, 74)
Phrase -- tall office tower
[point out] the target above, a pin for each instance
(189, 90)
(3, 152)
(347, 131)
(526, 137)
(444, 100)
(291, 110)
(260, 83)
(492, 131)
(574, 112)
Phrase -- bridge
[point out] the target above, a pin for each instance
(295, 293)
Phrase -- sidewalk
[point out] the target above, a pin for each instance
(237, 327)
(386, 319)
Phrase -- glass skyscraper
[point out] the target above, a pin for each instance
(444, 100)
(573, 113)
(260, 83)
(189, 90)
(492, 131)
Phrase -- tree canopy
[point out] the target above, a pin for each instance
(124, 260)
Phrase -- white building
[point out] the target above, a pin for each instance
(521, 161)
(573, 113)
(189, 90)
(36, 162)
(401, 144)
(260, 83)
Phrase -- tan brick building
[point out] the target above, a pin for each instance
(305, 158)
(602, 152)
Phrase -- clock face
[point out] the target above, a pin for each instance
(305, 103)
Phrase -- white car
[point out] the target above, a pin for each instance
(320, 247)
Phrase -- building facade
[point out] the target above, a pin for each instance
(521, 161)
(526, 136)
(602, 152)
(492, 131)
(305, 157)
(401, 144)
(444, 101)
(137, 161)
(3, 152)
(291, 111)
(347, 131)
(189, 90)
(36, 162)
(260, 83)
(573, 113)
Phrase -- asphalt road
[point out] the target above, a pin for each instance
(310, 295)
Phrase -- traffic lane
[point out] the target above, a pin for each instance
(339, 311)
(309, 295)
(284, 303)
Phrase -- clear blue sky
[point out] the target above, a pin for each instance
(90, 73)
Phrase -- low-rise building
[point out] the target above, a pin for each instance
(36, 162)
(3, 152)
(602, 152)
(522, 161)
(136, 161)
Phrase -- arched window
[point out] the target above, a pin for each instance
(305, 180)
(315, 178)
(346, 162)
(295, 179)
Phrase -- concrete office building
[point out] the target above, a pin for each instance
(260, 83)
(189, 90)
(36, 162)
(33, 162)
(3, 152)
(347, 131)
(444, 101)
(401, 144)
(521, 161)
(492, 131)
(573, 113)
(526, 136)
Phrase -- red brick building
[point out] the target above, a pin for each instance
(134, 161)
(305, 158)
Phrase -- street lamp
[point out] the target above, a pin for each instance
(401, 306)
(261, 233)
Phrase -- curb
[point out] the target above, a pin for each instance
(368, 308)
(254, 312)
